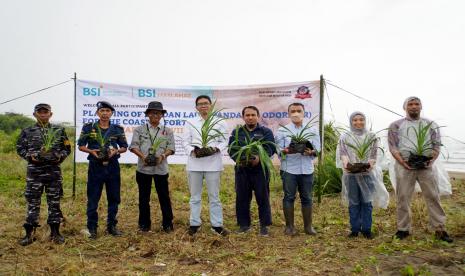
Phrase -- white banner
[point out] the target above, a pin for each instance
(130, 103)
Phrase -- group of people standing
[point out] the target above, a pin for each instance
(154, 142)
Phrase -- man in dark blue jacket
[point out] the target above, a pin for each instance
(104, 142)
(249, 174)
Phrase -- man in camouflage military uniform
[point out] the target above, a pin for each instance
(43, 171)
(103, 142)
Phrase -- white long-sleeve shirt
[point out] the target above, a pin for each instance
(192, 138)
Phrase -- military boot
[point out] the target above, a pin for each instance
(289, 216)
(307, 216)
(55, 235)
(28, 239)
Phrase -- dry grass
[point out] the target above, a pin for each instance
(328, 253)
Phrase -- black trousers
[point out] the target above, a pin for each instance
(247, 181)
(144, 181)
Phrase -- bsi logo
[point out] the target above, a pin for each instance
(94, 91)
(146, 93)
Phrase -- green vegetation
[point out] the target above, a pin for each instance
(98, 136)
(50, 136)
(363, 147)
(327, 177)
(156, 253)
(156, 144)
(246, 150)
(301, 136)
(209, 131)
(11, 122)
(422, 144)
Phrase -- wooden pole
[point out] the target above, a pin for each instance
(75, 140)
(322, 134)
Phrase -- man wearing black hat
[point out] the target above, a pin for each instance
(104, 142)
(44, 147)
(153, 143)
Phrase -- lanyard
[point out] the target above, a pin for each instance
(150, 135)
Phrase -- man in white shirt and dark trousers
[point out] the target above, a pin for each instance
(201, 167)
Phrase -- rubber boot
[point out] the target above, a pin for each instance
(289, 216)
(55, 235)
(28, 239)
(307, 217)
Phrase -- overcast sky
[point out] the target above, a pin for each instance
(380, 50)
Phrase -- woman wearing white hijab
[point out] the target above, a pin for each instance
(360, 188)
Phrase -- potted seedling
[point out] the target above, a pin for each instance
(362, 149)
(103, 154)
(208, 132)
(300, 140)
(152, 158)
(421, 145)
(247, 149)
(50, 137)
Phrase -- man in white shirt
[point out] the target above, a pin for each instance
(297, 168)
(205, 163)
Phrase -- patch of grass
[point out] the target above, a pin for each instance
(358, 268)
(328, 253)
(407, 270)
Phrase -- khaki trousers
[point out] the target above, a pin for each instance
(406, 180)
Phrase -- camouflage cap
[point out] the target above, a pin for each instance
(42, 106)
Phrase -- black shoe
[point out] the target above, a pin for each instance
(93, 233)
(55, 235)
(443, 236)
(220, 231)
(144, 228)
(28, 239)
(193, 230)
(401, 234)
(168, 228)
(353, 235)
(112, 230)
(264, 231)
(367, 235)
(243, 229)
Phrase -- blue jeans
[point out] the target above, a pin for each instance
(360, 211)
(294, 182)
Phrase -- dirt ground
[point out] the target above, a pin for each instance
(330, 252)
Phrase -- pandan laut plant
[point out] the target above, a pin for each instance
(247, 150)
(208, 132)
(422, 146)
(50, 136)
(362, 149)
(103, 142)
(152, 159)
(300, 140)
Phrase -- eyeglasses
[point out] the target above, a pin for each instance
(155, 113)
(203, 104)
